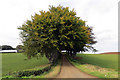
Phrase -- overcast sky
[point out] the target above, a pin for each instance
(102, 15)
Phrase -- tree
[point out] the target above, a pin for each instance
(20, 48)
(95, 50)
(48, 33)
(7, 47)
(0, 47)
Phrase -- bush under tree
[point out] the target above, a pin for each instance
(20, 48)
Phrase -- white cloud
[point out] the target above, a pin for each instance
(102, 15)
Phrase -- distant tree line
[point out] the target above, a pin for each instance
(19, 48)
(6, 47)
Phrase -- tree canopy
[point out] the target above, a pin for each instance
(50, 32)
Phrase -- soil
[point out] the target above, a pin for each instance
(69, 71)
(111, 53)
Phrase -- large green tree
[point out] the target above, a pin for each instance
(48, 33)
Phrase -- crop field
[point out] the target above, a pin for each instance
(102, 60)
(17, 62)
(99, 65)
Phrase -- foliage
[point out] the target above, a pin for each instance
(20, 48)
(55, 30)
(29, 73)
(35, 73)
(0, 47)
(7, 47)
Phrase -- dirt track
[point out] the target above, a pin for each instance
(69, 71)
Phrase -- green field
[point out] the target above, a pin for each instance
(102, 60)
(17, 62)
(99, 65)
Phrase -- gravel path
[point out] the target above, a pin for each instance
(69, 71)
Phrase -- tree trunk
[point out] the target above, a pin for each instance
(52, 56)
(74, 54)
(71, 53)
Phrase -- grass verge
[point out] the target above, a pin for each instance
(52, 73)
(94, 69)
(102, 60)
